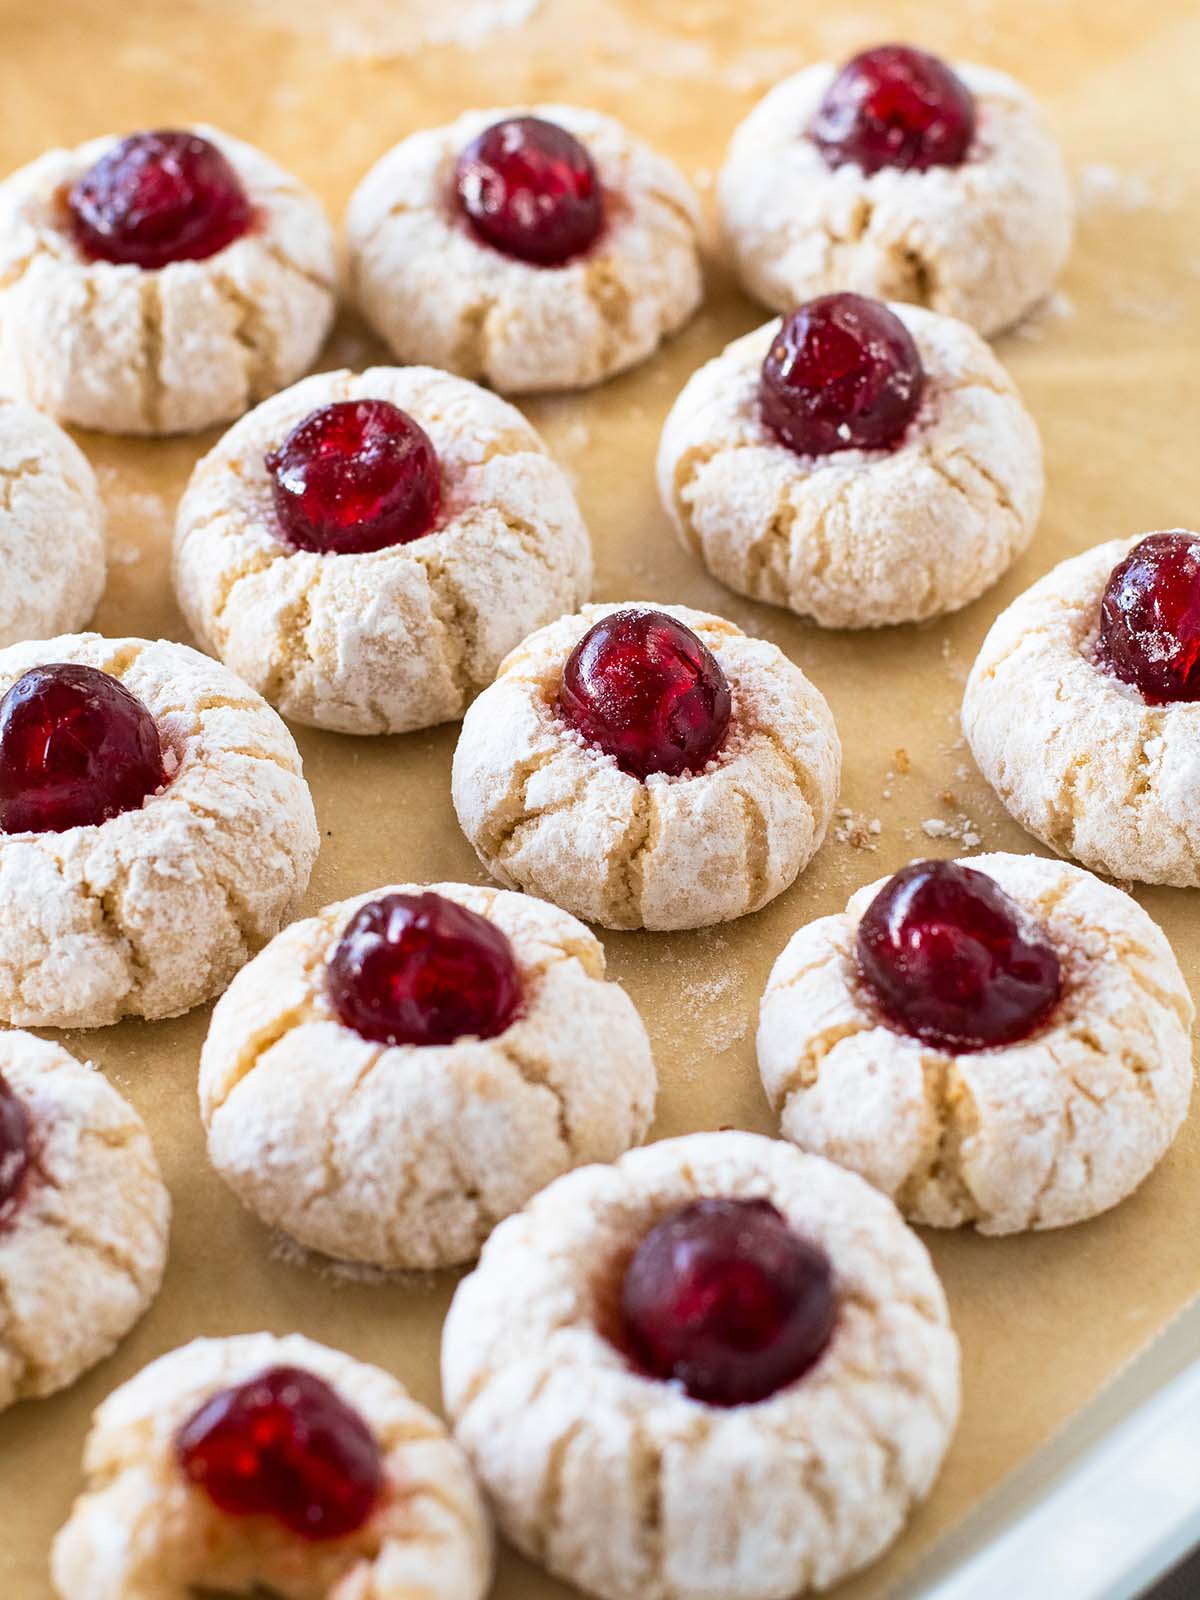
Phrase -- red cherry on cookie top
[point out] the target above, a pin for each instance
(76, 748)
(355, 476)
(421, 969)
(647, 691)
(14, 1149)
(894, 106)
(842, 373)
(530, 189)
(952, 960)
(1150, 618)
(284, 1445)
(722, 1297)
(157, 198)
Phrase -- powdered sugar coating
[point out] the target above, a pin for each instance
(408, 1155)
(435, 292)
(558, 818)
(153, 911)
(126, 350)
(83, 1251)
(627, 1487)
(859, 538)
(398, 638)
(1077, 756)
(983, 241)
(140, 1527)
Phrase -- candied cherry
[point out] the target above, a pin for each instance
(530, 189)
(1150, 618)
(842, 373)
(894, 106)
(723, 1297)
(954, 961)
(284, 1445)
(420, 969)
(157, 198)
(14, 1149)
(647, 691)
(75, 749)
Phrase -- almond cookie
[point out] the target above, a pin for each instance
(83, 1218)
(899, 177)
(1083, 709)
(391, 1077)
(159, 283)
(772, 1441)
(257, 1463)
(856, 463)
(647, 767)
(533, 250)
(155, 829)
(365, 549)
(51, 529)
(1004, 1042)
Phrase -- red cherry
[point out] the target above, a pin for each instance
(157, 198)
(842, 373)
(895, 107)
(954, 961)
(284, 1445)
(354, 476)
(530, 189)
(724, 1298)
(645, 690)
(1150, 618)
(75, 749)
(419, 969)
(15, 1151)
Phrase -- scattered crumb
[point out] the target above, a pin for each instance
(962, 830)
(1105, 188)
(121, 554)
(903, 761)
(856, 829)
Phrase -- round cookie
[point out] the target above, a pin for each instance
(83, 1218)
(557, 817)
(141, 1527)
(436, 292)
(407, 1154)
(172, 349)
(51, 529)
(625, 1485)
(153, 910)
(397, 638)
(1079, 757)
(857, 538)
(982, 241)
(1038, 1133)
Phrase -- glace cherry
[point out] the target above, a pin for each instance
(1150, 618)
(530, 189)
(894, 106)
(15, 1153)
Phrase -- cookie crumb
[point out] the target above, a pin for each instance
(855, 828)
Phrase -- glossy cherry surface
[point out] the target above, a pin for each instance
(894, 106)
(530, 189)
(15, 1150)
(1150, 618)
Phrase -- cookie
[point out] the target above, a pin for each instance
(826, 188)
(486, 543)
(391, 1077)
(161, 283)
(604, 1466)
(1081, 757)
(259, 1462)
(1062, 1100)
(83, 1218)
(589, 259)
(155, 829)
(838, 502)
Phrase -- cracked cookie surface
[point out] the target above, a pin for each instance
(153, 911)
(82, 1252)
(398, 638)
(983, 241)
(558, 818)
(435, 292)
(857, 538)
(1079, 757)
(1038, 1134)
(630, 1489)
(408, 1155)
(140, 1527)
(127, 350)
